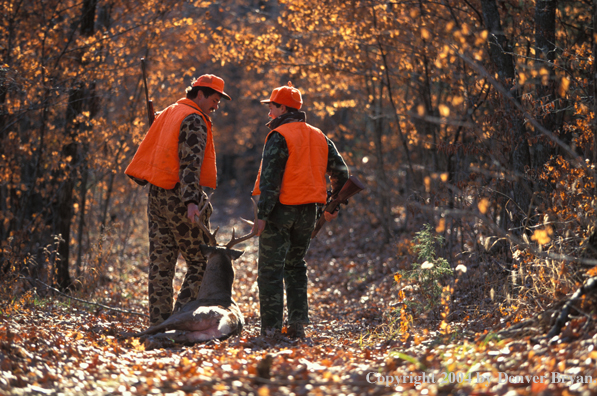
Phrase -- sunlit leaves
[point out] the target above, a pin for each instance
(564, 85)
(457, 100)
(544, 75)
(542, 236)
(444, 110)
(592, 271)
(483, 205)
(522, 78)
(441, 225)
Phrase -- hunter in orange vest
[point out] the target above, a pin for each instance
(304, 176)
(177, 158)
(291, 182)
(156, 160)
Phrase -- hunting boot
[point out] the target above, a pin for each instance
(296, 330)
(270, 332)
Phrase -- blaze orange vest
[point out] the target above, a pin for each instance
(304, 177)
(156, 159)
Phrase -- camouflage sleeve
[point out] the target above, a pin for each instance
(337, 169)
(275, 156)
(191, 147)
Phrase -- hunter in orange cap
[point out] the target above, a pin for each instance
(213, 82)
(177, 158)
(290, 184)
(286, 95)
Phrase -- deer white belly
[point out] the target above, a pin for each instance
(213, 314)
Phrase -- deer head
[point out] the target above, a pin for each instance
(212, 236)
(213, 314)
(219, 274)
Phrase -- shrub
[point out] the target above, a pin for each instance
(427, 272)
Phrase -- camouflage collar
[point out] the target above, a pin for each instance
(286, 118)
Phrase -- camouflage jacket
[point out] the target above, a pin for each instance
(275, 156)
(191, 148)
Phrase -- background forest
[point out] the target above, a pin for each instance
(471, 122)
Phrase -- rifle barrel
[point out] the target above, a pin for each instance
(150, 110)
(352, 187)
(144, 79)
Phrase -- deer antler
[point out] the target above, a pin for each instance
(234, 240)
(210, 236)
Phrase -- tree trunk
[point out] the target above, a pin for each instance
(595, 86)
(6, 55)
(545, 37)
(504, 63)
(388, 84)
(65, 179)
(383, 191)
(88, 17)
(63, 212)
(74, 151)
(83, 197)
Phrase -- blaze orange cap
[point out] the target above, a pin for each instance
(286, 95)
(213, 82)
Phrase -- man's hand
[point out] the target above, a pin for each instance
(260, 224)
(330, 216)
(192, 211)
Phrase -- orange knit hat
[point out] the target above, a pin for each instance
(286, 95)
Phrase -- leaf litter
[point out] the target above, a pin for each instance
(62, 347)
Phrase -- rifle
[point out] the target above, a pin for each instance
(352, 186)
(150, 110)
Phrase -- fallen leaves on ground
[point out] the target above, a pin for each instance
(62, 347)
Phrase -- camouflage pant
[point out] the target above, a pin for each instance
(171, 232)
(282, 249)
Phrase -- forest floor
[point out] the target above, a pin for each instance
(356, 343)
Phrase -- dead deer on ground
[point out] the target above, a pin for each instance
(214, 314)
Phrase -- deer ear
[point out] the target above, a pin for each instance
(234, 254)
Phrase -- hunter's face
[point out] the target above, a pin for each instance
(208, 104)
(275, 112)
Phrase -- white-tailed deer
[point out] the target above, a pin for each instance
(214, 314)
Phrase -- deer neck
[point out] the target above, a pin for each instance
(217, 281)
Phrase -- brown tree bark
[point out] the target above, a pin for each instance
(385, 206)
(82, 213)
(62, 212)
(595, 85)
(502, 59)
(545, 37)
(80, 97)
